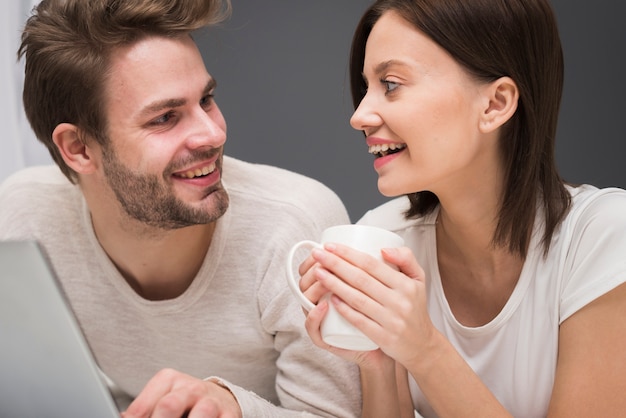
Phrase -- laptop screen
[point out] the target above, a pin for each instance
(46, 367)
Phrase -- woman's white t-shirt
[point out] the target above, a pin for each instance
(515, 354)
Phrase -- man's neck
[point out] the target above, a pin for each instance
(158, 264)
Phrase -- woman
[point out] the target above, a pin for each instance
(509, 299)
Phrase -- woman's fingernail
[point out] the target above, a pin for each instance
(317, 253)
(335, 300)
(321, 273)
(322, 305)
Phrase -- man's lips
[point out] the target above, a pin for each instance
(199, 171)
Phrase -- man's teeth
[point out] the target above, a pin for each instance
(198, 172)
(383, 149)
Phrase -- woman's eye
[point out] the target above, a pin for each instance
(389, 85)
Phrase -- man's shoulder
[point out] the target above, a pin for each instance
(35, 200)
(36, 176)
(36, 185)
(271, 181)
(273, 188)
(236, 168)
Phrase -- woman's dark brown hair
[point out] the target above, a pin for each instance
(492, 39)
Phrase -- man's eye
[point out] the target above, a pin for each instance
(163, 119)
(206, 101)
(389, 85)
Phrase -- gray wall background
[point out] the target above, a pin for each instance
(281, 67)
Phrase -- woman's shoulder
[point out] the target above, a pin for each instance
(589, 248)
(588, 200)
(391, 215)
(593, 212)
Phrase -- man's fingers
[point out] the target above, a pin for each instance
(155, 389)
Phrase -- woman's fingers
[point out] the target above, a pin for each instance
(352, 303)
(404, 259)
(313, 323)
(358, 270)
(312, 289)
(306, 265)
(384, 302)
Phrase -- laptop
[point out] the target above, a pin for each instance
(47, 370)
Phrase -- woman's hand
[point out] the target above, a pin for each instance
(367, 360)
(310, 287)
(314, 290)
(387, 304)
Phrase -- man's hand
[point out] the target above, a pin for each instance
(171, 394)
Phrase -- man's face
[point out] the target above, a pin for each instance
(166, 134)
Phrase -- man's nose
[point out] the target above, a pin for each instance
(209, 129)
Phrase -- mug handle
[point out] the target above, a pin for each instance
(294, 284)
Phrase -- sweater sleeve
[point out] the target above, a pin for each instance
(310, 381)
(253, 405)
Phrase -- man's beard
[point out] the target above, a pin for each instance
(148, 198)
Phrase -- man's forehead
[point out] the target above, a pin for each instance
(156, 69)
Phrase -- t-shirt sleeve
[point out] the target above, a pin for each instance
(595, 260)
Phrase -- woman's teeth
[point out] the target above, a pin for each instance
(381, 150)
(198, 172)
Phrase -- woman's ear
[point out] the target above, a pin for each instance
(501, 97)
(75, 152)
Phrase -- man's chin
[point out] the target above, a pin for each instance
(215, 204)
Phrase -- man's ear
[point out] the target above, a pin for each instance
(74, 150)
(501, 97)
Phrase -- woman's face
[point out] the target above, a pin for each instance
(421, 114)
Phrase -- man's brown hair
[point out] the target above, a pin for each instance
(67, 45)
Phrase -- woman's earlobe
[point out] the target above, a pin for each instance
(72, 148)
(503, 96)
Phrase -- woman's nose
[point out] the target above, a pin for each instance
(365, 116)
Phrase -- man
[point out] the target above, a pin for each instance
(171, 254)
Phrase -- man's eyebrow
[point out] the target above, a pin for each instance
(159, 105)
(210, 86)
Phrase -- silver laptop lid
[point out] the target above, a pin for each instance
(46, 367)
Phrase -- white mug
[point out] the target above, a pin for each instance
(336, 331)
